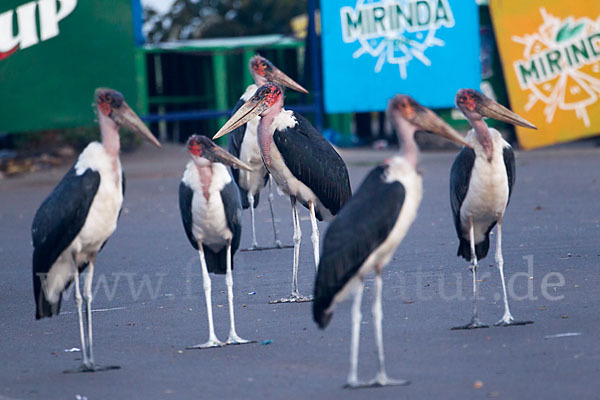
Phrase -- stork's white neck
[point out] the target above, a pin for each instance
(483, 136)
(109, 130)
(265, 133)
(406, 135)
(206, 172)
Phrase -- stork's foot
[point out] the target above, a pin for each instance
(278, 244)
(293, 298)
(474, 324)
(383, 380)
(380, 380)
(254, 247)
(235, 339)
(354, 384)
(274, 247)
(209, 344)
(508, 320)
(91, 368)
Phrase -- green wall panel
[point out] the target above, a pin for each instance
(51, 84)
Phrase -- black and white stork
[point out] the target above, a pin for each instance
(368, 229)
(75, 221)
(211, 211)
(302, 162)
(481, 183)
(243, 144)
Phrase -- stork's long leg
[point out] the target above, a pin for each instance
(297, 240)
(277, 242)
(381, 379)
(507, 319)
(295, 297)
(85, 363)
(87, 295)
(212, 338)
(475, 322)
(354, 344)
(315, 233)
(233, 336)
(254, 242)
(87, 352)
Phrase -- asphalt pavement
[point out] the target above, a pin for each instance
(150, 303)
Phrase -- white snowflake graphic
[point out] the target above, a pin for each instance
(399, 47)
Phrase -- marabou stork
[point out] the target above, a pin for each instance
(302, 162)
(243, 143)
(366, 232)
(211, 211)
(75, 221)
(481, 182)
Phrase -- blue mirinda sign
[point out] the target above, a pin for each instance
(374, 49)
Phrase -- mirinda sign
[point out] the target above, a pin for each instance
(375, 49)
(551, 58)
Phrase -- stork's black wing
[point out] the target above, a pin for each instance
(314, 162)
(509, 162)
(56, 224)
(460, 176)
(230, 195)
(186, 194)
(123, 183)
(361, 226)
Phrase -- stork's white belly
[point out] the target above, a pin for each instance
(101, 221)
(252, 181)
(487, 196)
(400, 171)
(209, 223)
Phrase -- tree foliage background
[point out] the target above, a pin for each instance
(194, 19)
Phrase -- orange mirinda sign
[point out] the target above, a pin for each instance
(550, 53)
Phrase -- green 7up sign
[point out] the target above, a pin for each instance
(54, 53)
(27, 36)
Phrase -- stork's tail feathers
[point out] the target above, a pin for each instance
(216, 263)
(320, 315)
(256, 199)
(481, 249)
(43, 308)
(244, 197)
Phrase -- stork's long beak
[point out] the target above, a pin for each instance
(279, 77)
(126, 117)
(221, 155)
(489, 108)
(251, 109)
(429, 121)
